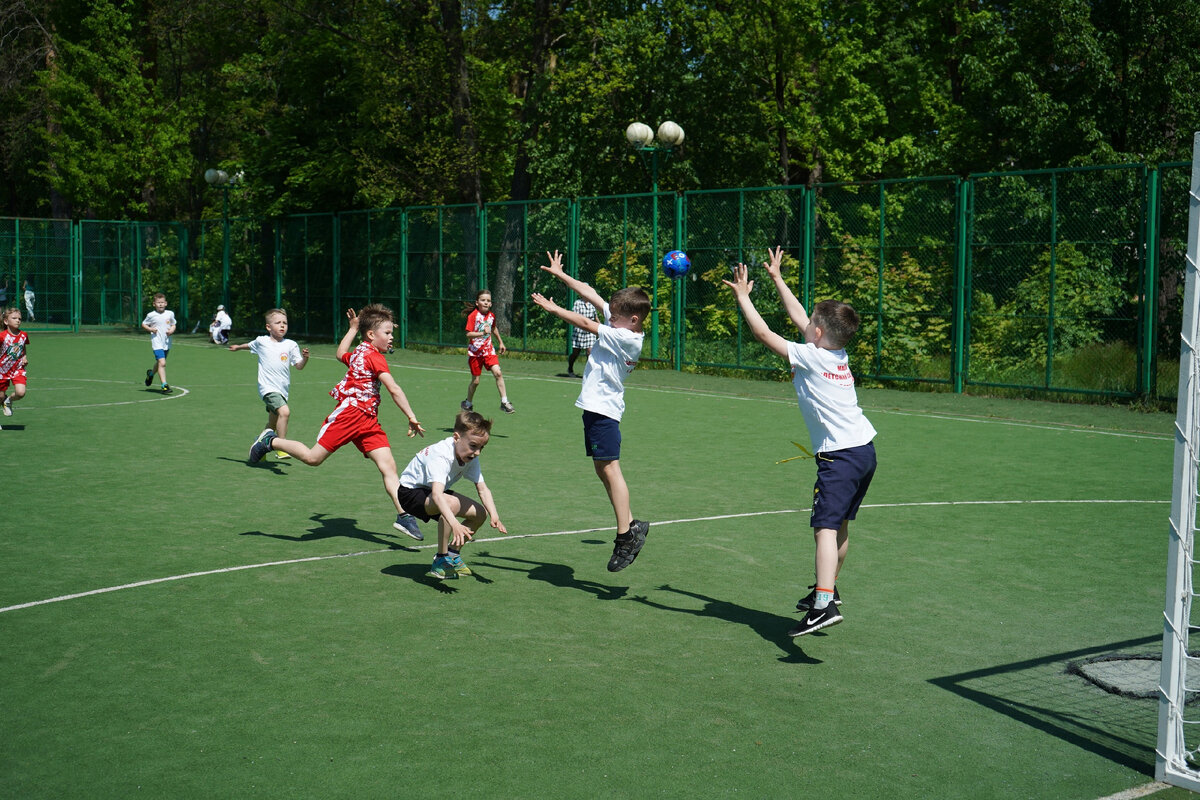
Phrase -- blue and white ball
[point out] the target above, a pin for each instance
(676, 264)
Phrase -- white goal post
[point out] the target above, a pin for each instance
(1177, 759)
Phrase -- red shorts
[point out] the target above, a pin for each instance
(348, 424)
(479, 362)
(18, 378)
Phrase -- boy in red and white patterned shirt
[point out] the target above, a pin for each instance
(356, 418)
(12, 357)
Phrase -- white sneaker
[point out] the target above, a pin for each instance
(8, 406)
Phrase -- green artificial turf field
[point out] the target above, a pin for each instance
(177, 623)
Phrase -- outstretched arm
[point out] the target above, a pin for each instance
(489, 505)
(401, 401)
(741, 287)
(578, 320)
(579, 287)
(794, 308)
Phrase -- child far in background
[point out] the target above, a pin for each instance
(481, 327)
(356, 417)
(425, 491)
(13, 342)
(276, 356)
(582, 341)
(218, 329)
(161, 324)
(602, 397)
(842, 437)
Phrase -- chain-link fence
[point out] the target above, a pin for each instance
(1043, 282)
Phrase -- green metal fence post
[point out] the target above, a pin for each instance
(336, 268)
(1147, 383)
(481, 216)
(680, 288)
(278, 264)
(1053, 275)
(879, 277)
(960, 311)
(76, 279)
(808, 235)
(403, 279)
(182, 245)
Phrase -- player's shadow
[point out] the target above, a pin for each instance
(770, 627)
(416, 574)
(331, 527)
(264, 464)
(556, 575)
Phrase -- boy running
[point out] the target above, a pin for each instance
(13, 342)
(356, 417)
(276, 356)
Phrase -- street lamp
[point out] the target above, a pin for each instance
(222, 179)
(641, 138)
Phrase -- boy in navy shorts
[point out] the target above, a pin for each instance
(842, 438)
(602, 397)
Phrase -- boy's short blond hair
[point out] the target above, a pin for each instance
(5, 312)
(838, 320)
(472, 422)
(158, 295)
(632, 301)
(271, 312)
(372, 316)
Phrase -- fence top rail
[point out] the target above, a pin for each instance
(890, 181)
(629, 196)
(1055, 170)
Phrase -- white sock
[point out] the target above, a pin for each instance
(504, 399)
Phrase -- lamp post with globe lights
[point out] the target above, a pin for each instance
(641, 138)
(224, 181)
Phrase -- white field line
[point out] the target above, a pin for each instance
(1137, 791)
(709, 394)
(242, 567)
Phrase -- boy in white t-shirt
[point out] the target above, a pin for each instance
(842, 437)
(425, 494)
(276, 356)
(160, 323)
(602, 398)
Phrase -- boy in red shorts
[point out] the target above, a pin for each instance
(12, 357)
(356, 418)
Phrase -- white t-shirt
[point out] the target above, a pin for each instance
(159, 340)
(223, 320)
(275, 360)
(436, 463)
(825, 391)
(613, 357)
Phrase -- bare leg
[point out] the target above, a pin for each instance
(499, 381)
(313, 456)
(618, 492)
(391, 479)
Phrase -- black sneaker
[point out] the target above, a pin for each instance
(507, 408)
(149, 377)
(408, 524)
(807, 601)
(815, 619)
(166, 389)
(627, 546)
(261, 446)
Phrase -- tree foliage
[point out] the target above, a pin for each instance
(117, 107)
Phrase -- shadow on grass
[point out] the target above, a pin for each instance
(416, 574)
(264, 464)
(1040, 693)
(771, 627)
(556, 575)
(331, 527)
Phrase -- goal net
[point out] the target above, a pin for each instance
(1178, 751)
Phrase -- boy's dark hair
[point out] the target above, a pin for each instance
(267, 314)
(838, 320)
(472, 422)
(372, 316)
(158, 295)
(632, 301)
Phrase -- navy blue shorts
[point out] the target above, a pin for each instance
(601, 437)
(843, 477)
